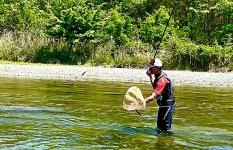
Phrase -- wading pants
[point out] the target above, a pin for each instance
(165, 116)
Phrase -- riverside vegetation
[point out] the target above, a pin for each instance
(121, 33)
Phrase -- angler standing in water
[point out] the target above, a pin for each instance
(163, 90)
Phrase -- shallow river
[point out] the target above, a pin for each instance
(51, 114)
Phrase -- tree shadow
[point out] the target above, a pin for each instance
(60, 55)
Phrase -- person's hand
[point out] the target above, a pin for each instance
(149, 73)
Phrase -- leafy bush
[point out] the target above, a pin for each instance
(153, 26)
(118, 33)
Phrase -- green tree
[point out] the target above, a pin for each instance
(21, 15)
(73, 22)
(153, 26)
(119, 28)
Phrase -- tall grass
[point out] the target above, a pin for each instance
(183, 54)
(37, 48)
(178, 54)
(21, 46)
(135, 55)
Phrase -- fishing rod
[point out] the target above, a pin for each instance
(157, 47)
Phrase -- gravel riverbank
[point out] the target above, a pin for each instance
(185, 78)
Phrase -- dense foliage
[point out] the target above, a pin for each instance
(119, 33)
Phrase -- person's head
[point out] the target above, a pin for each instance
(155, 66)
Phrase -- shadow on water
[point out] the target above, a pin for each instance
(131, 137)
(131, 130)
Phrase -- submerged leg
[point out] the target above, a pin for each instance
(160, 120)
(168, 119)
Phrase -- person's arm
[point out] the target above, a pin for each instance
(150, 76)
(151, 97)
(157, 90)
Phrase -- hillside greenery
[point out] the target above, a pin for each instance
(123, 33)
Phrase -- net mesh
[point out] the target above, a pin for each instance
(134, 100)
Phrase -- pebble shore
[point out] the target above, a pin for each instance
(180, 78)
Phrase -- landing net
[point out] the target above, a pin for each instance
(134, 100)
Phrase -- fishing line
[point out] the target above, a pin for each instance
(76, 80)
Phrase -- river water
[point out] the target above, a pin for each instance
(51, 114)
